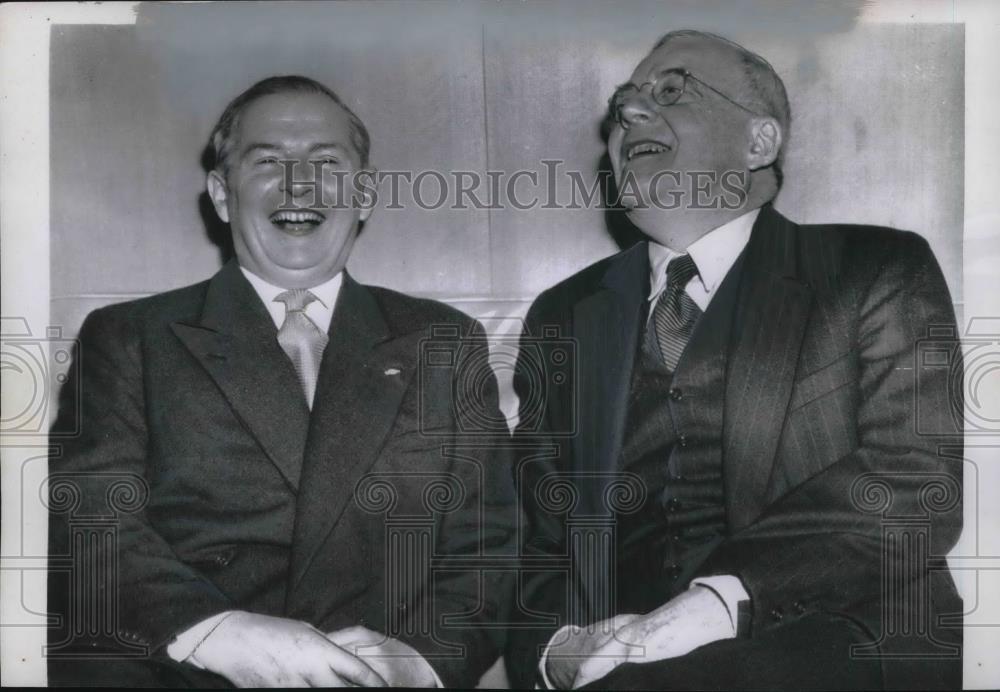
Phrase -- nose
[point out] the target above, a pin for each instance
(299, 177)
(636, 109)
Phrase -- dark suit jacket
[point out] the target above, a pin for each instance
(236, 497)
(831, 430)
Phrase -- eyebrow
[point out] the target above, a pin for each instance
(326, 145)
(680, 69)
(259, 145)
(255, 146)
(656, 75)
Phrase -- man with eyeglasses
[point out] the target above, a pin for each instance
(752, 382)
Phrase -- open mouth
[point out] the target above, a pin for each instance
(646, 148)
(297, 221)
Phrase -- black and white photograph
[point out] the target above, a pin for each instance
(500, 343)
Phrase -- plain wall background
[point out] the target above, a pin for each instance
(877, 131)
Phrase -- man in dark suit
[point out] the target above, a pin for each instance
(243, 439)
(723, 496)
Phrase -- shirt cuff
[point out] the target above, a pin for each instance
(730, 591)
(182, 648)
(437, 678)
(545, 655)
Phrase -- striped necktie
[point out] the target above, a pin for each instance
(301, 339)
(675, 313)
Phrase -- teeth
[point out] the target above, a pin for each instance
(646, 148)
(303, 216)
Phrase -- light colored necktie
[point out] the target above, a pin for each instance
(675, 313)
(301, 339)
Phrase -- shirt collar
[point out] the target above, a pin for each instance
(713, 254)
(326, 297)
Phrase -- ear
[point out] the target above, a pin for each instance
(615, 139)
(366, 192)
(765, 142)
(219, 194)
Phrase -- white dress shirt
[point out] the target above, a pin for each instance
(714, 255)
(320, 311)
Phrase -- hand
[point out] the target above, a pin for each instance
(692, 619)
(252, 650)
(397, 662)
(572, 646)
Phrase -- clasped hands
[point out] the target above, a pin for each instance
(252, 650)
(579, 656)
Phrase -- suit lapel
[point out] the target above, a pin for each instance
(365, 372)
(606, 327)
(236, 343)
(767, 336)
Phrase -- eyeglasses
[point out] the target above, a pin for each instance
(666, 90)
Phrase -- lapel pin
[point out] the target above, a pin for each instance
(392, 371)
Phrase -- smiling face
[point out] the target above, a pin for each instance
(297, 233)
(701, 132)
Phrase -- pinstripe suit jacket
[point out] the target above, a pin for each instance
(832, 428)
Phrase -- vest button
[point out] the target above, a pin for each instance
(674, 572)
(673, 505)
(682, 440)
(676, 394)
(777, 614)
